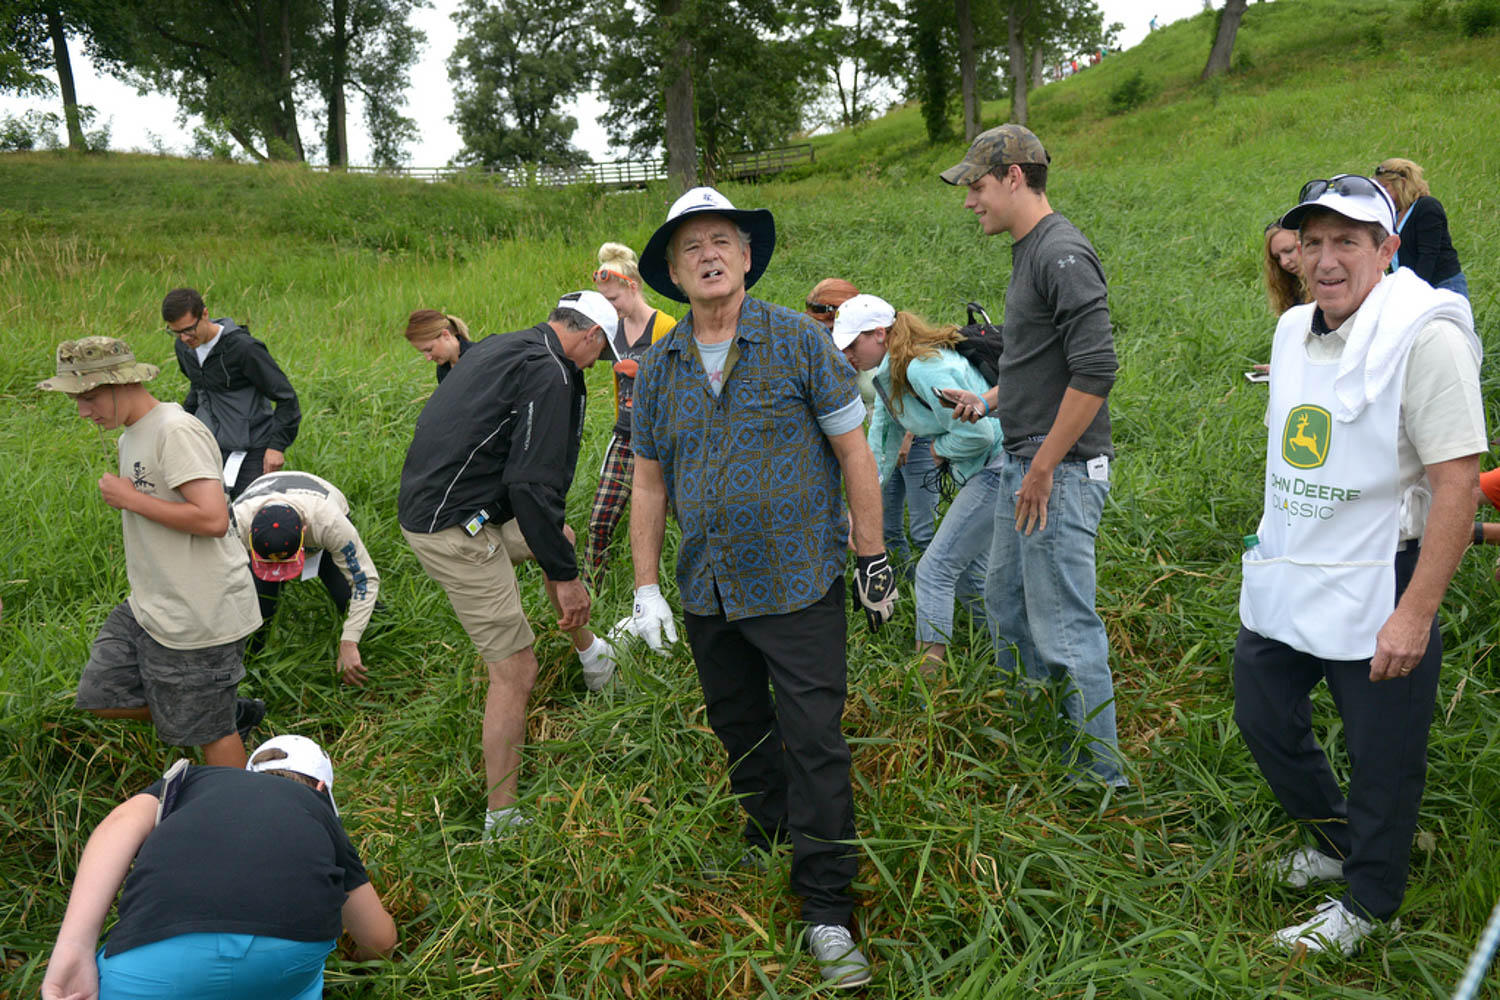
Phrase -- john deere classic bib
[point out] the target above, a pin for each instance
(1321, 579)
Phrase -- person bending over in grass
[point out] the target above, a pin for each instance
(242, 880)
(1375, 428)
(1058, 367)
(911, 360)
(290, 519)
(173, 651)
(745, 421)
(619, 280)
(499, 439)
(438, 337)
(236, 388)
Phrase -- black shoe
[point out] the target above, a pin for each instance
(247, 715)
(753, 861)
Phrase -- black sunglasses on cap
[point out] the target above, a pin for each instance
(1348, 185)
(821, 309)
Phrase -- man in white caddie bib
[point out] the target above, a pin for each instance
(1375, 430)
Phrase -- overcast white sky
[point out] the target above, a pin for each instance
(134, 118)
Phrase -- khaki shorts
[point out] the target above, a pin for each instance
(475, 572)
(190, 692)
(515, 542)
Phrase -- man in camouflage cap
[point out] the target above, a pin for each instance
(172, 651)
(1057, 367)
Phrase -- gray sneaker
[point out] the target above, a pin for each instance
(1304, 866)
(841, 964)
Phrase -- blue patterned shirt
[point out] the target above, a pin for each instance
(750, 475)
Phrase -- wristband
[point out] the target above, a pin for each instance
(986, 405)
(1478, 532)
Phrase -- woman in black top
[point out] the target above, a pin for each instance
(438, 337)
(1423, 226)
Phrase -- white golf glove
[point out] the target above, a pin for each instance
(653, 617)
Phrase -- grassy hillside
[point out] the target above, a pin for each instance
(979, 877)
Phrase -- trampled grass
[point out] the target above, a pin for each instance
(980, 877)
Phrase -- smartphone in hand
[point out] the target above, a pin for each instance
(948, 397)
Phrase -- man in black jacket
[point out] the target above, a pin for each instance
(236, 388)
(499, 440)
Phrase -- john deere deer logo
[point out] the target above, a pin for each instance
(1304, 441)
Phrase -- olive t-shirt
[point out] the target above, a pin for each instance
(240, 853)
(186, 591)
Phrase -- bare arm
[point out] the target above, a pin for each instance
(368, 923)
(71, 971)
(1450, 529)
(203, 512)
(862, 485)
(1074, 414)
(648, 519)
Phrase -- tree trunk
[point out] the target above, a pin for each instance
(65, 80)
(681, 114)
(968, 75)
(1015, 21)
(1229, 26)
(338, 131)
(288, 130)
(1036, 68)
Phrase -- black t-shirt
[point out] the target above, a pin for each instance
(241, 853)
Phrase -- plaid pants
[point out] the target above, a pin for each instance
(609, 505)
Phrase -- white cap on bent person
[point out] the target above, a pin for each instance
(596, 307)
(297, 754)
(861, 313)
(1350, 195)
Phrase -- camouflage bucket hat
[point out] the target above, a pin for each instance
(999, 147)
(94, 361)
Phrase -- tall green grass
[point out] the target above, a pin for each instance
(980, 877)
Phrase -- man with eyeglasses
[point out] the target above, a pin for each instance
(235, 387)
(1375, 427)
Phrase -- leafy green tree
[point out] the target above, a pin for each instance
(514, 65)
(1039, 30)
(33, 39)
(368, 46)
(860, 56)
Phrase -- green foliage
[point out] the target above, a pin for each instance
(1478, 17)
(933, 51)
(980, 877)
(514, 65)
(1373, 36)
(29, 130)
(1129, 94)
(1431, 13)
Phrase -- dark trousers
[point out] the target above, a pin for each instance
(1385, 731)
(250, 470)
(268, 593)
(788, 761)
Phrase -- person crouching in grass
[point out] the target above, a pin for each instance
(172, 652)
(214, 907)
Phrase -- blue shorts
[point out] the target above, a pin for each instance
(216, 967)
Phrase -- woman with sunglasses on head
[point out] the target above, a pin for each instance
(911, 360)
(438, 337)
(618, 279)
(1426, 248)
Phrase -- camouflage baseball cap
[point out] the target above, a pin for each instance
(999, 147)
(93, 361)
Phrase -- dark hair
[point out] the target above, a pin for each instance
(179, 302)
(571, 318)
(276, 753)
(1374, 230)
(1035, 174)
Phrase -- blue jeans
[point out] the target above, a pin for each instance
(958, 557)
(1040, 597)
(904, 488)
(1458, 283)
(216, 967)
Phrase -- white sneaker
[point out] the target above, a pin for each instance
(598, 664)
(1304, 866)
(1332, 928)
(502, 823)
(840, 963)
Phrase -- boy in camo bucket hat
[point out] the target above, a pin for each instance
(172, 652)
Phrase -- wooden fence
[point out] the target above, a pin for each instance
(618, 173)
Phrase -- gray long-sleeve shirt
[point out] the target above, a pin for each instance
(1057, 336)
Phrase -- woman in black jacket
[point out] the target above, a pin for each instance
(1423, 226)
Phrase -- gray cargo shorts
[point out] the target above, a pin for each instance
(190, 692)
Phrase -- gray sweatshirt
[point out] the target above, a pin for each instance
(1057, 336)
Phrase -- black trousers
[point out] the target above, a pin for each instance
(788, 760)
(250, 470)
(1385, 731)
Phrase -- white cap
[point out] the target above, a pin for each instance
(861, 313)
(1353, 196)
(303, 756)
(596, 307)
